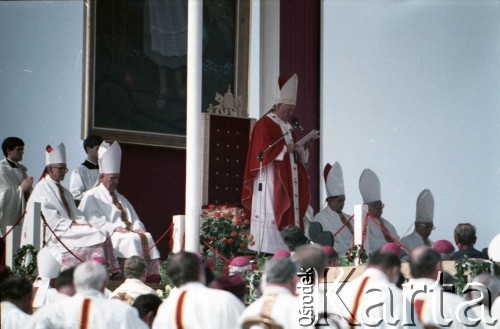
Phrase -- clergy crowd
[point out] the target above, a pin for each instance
(91, 234)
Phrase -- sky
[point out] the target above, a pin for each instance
(410, 89)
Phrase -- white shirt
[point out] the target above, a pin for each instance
(375, 238)
(414, 240)
(285, 308)
(133, 288)
(12, 317)
(202, 308)
(103, 313)
(437, 307)
(331, 221)
(380, 304)
(97, 205)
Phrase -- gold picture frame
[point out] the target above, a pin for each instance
(118, 105)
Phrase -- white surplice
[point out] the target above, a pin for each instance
(12, 317)
(76, 238)
(330, 221)
(103, 313)
(202, 308)
(81, 180)
(11, 195)
(98, 207)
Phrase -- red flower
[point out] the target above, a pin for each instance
(212, 238)
(247, 222)
(226, 215)
(211, 207)
(216, 214)
(234, 233)
(230, 241)
(224, 240)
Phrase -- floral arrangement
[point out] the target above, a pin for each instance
(356, 251)
(25, 260)
(225, 230)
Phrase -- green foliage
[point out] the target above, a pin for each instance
(253, 280)
(468, 268)
(25, 260)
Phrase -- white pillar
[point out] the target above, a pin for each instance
(360, 211)
(193, 127)
(32, 226)
(269, 52)
(178, 235)
(12, 243)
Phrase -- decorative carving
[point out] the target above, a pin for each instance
(229, 105)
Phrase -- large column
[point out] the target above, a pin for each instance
(269, 52)
(193, 129)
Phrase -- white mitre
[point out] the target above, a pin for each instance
(48, 266)
(494, 248)
(334, 179)
(369, 186)
(55, 155)
(425, 207)
(110, 157)
(288, 93)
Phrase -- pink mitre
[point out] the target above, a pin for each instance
(443, 247)
(239, 264)
(392, 247)
(329, 251)
(282, 254)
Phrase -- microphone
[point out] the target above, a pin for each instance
(296, 123)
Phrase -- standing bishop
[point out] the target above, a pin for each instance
(114, 215)
(276, 183)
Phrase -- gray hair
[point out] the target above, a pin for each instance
(492, 285)
(280, 270)
(90, 275)
(134, 267)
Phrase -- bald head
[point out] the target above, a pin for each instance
(311, 256)
(425, 262)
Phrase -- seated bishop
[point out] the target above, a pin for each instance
(114, 215)
(66, 233)
(331, 218)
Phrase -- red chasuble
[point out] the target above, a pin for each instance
(265, 133)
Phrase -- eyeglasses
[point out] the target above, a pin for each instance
(376, 204)
(60, 168)
(428, 226)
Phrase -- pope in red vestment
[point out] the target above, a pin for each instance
(276, 189)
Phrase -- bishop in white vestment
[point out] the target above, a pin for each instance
(379, 230)
(74, 236)
(114, 215)
(331, 217)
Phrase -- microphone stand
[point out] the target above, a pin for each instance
(260, 157)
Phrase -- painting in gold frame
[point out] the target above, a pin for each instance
(125, 96)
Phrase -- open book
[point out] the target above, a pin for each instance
(313, 134)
